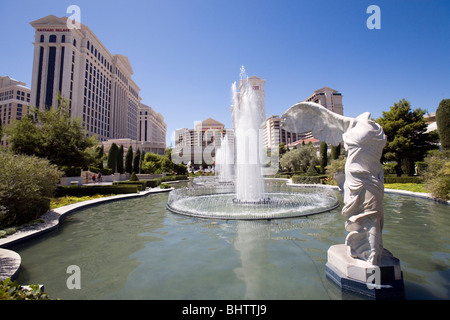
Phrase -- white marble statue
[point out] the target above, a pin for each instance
(364, 140)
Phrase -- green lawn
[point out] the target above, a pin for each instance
(66, 200)
(415, 187)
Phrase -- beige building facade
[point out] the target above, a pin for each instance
(275, 134)
(329, 98)
(197, 147)
(152, 130)
(98, 84)
(14, 102)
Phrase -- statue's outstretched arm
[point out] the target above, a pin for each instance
(324, 124)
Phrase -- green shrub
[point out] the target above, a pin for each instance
(134, 177)
(389, 168)
(77, 191)
(437, 174)
(421, 166)
(11, 290)
(104, 171)
(71, 171)
(26, 185)
(402, 179)
(312, 171)
(152, 183)
(443, 123)
(139, 184)
(173, 178)
(308, 179)
(165, 186)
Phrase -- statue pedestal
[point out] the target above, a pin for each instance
(384, 281)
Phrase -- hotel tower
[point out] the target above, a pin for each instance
(98, 84)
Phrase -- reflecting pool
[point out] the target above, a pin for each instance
(137, 249)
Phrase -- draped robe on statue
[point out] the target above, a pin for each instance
(363, 188)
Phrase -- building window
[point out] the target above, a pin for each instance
(63, 39)
(52, 38)
(50, 77)
(42, 38)
(61, 69)
(38, 92)
(74, 42)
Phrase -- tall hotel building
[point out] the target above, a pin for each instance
(97, 83)
(152, 130)
(14, 102)
(275, 134)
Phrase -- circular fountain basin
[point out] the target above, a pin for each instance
(280, 201)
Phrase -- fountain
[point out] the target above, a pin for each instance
(224, 162)
(245, 194)
(248, 117)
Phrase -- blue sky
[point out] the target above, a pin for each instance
(187, 53)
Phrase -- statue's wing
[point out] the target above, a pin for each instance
(308, 116)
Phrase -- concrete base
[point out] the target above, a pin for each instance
(384, 281)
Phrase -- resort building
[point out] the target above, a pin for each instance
(329, 98)
(197, 147)
(258, 87)
(14, 101)
(152, 130)
(430, 118)
(98, 84)
(275, 134)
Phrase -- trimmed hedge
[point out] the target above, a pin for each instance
(173, 178)
(142, 184)
(406, 179)
(77, 191)
(308, 179)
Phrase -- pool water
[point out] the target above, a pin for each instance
(137, 249)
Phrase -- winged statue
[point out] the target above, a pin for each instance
(363, 140)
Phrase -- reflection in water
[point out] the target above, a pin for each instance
(251, 242)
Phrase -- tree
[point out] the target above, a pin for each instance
(99, 156)
(407, 139)
(437, 174)
(151, 163)
(129, 160)
(281, 149)
(141, 161)
(119, 160)
(54, 135)
(323, 156)
(300, 159)
(112, 157)
(335, 152)
(443, 123)
(26, 185)
(137, 161)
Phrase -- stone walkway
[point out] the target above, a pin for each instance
(9, 264)
(10, 261)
